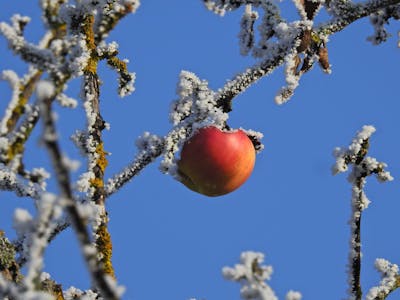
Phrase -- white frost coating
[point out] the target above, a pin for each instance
(79, 57)
(256, 138)
(74, 293)
(390, 274)
(128, 87)
(150, 147)
(22, 222)
(293, 295)
(109, 49)
(41, 174)
(18, 22)
(345, 156)
(148, 142)
(42, 58)
(10, 182)
(49, 210)
(195, 108)
(196, 100)
(362, 167)
(12, 78)
(378, 20)
(66, 101)
(92, 213)
(83, 184)
(246, 34)
(300, 8)
(44, 90)
(251, 275)
(71, 164)
(44, 276)
(118, 290)
(292, 80)
(361, 136)
(173, 142)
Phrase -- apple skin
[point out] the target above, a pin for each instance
(215, 162)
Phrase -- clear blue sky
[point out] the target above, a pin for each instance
(170, 243)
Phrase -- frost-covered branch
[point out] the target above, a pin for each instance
(347, 12)
(390, 280)
(291, 38)
(9, 181)
(252, 277)
(9, 268)
(362, 167)
(99, 277)
(39, 57)
(150, 147)
(22, 90)
(49, 210)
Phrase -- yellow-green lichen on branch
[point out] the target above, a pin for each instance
(104, 247)
(101, 160)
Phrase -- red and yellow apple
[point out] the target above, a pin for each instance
(215, 162)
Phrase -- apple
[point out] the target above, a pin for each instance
(215, 162)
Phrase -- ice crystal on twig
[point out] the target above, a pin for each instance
(150, 147)
(252, 276)
(246, 34)
(39, 57)
(293, 295)
(49, 210)
(389, 282)
(74, 293)
(378, 20)
(9, 181)
(362, 166)
(195, 108)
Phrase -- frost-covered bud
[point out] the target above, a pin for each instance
(246, 34)
(293, 295)
(66, 101)
(45, 90)
(378, 20)
(149, 143)
(23, 222)
(389, 281)
(79, 57)
(19, 22)
(384, 176)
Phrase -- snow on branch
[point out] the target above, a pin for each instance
(252, 276)
(362, 167)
